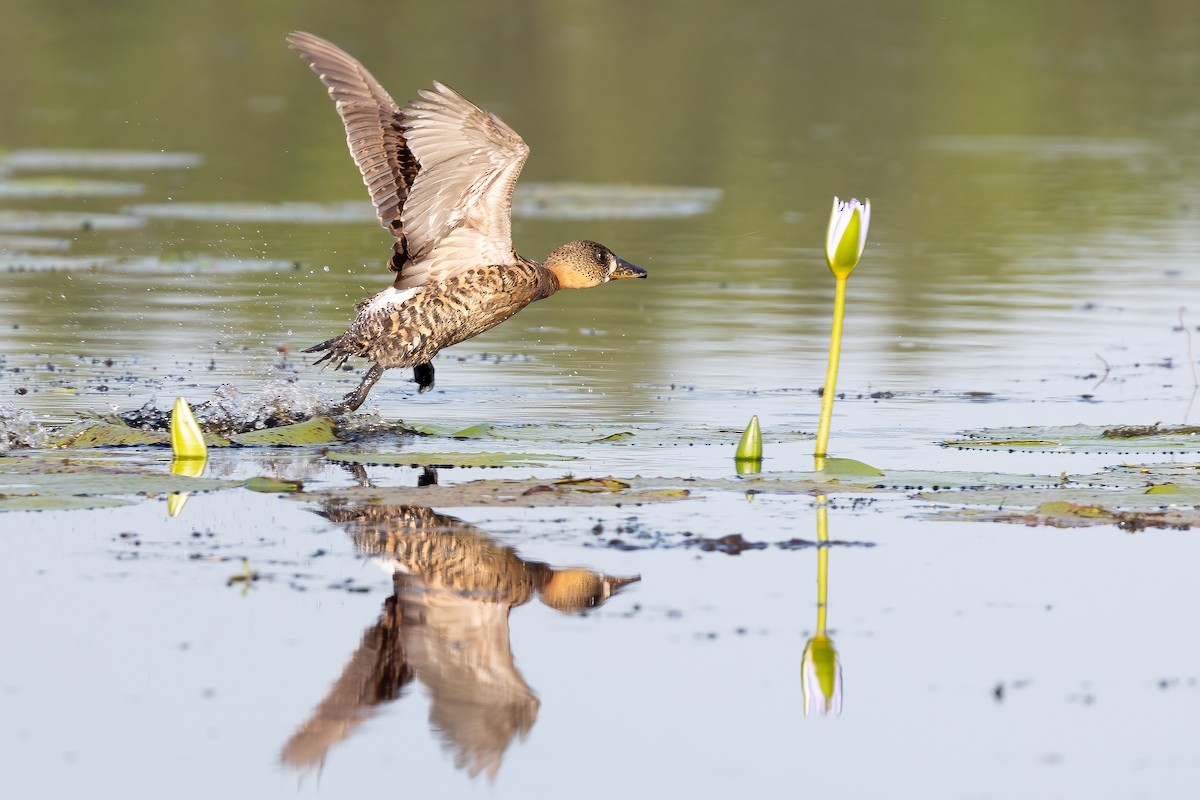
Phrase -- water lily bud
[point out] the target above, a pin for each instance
(186, 439)
(847, 235)
(750, 447)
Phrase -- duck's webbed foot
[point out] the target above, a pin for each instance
(352, 401)
(423, 375)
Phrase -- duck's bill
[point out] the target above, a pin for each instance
(626, 270)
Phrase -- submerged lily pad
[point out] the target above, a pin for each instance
(353, 212)
(26, 188)
(448, 459)
(66, 160)
(1083, 439)
(573, 201)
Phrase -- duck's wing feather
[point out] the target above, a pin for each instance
(458, 212)
(375, 127)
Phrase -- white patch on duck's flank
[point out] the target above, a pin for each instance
(389, 297)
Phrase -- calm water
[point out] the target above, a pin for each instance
(1035, 236)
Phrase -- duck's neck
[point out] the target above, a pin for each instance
(548, 283)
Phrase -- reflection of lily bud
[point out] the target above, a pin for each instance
(822, 678)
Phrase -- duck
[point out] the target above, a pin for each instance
(441, 174)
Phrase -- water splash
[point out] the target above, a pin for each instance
(19, 429)
(230, 411)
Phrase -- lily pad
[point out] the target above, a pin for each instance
(66, 160)
(48, 481)
(273, 485)
(203, 265)
(25, 221)
(20, 244)
(1065, 514)
(849, 468)
(283, 213)
(593, 484)
(1083, 439)
(101, 433)
(17, 262)
(318, 430)
(26, 188)
(519, 493)
(448, 460)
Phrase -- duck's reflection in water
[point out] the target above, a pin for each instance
(446, 625)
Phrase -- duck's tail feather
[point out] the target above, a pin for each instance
(334, 351)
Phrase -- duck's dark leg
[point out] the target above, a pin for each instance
(355, 399)
(423, 375)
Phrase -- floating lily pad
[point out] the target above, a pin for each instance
(522, 493)
(1065, 514)
(20, 244)
(23, 221)
(575, 201)
(42, 263)
(849, 468)
(318, 430)
(49, 481)
(448, 459)
(26, 188)
(97, 160)
(582, 433)
(593, 484)
(273, 485)
(202, 265)
(1084, 439)
(101, 433)
(283, 213)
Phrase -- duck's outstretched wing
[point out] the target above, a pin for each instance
(374, 127)
(441, 173)
(459, 210)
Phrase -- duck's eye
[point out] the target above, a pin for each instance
(600, 257)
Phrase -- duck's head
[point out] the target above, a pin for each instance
(580, 265)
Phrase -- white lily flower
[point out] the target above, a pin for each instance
(847, 235)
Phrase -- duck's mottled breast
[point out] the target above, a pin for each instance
(404, 327)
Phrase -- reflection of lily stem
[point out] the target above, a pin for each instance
(822, 562)
(831, 371)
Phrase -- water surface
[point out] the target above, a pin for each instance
(1032, 260)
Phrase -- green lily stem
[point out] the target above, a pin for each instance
(822, 562)
(831, 371)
